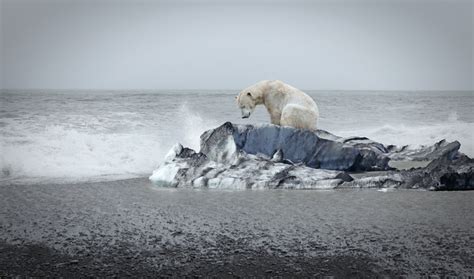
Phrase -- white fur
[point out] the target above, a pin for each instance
(287, 105)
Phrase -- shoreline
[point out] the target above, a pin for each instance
(131, 228)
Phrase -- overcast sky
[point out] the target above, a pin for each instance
(325, 45)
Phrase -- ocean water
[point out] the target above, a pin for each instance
(64, 137)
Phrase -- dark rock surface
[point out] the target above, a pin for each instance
(299, 146)
(443, 174)
(270, 156)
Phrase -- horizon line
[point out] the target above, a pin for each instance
(32, 90)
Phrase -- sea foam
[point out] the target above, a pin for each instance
(68, 153)
(415, 136)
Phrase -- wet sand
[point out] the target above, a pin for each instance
(131, 228)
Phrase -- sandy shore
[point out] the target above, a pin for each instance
(130, 228)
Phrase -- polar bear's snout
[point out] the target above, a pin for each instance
(246, 112)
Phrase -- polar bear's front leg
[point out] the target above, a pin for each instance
(275, 119)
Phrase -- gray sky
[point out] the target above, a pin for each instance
(326, 45)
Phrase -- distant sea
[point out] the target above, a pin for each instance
(68, 137)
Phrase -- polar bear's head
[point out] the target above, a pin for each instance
(246, 103)
(250, 97)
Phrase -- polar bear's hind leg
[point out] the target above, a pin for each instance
(298, 117)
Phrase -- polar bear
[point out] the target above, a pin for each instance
(287, 105)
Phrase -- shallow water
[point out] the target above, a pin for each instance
(67, 137)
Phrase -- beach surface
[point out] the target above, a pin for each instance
(132, 228)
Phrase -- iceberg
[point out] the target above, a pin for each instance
(268, 156)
